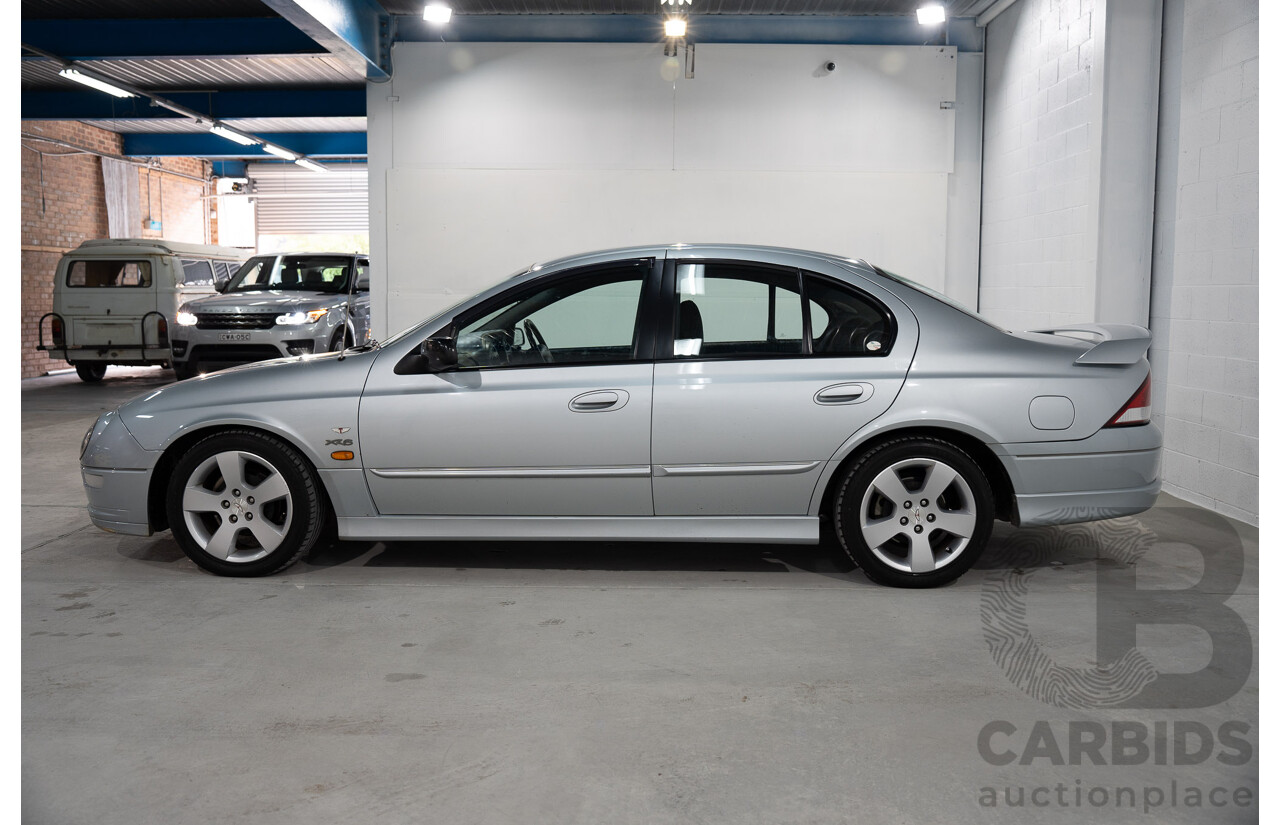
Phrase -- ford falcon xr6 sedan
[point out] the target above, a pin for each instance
(677, 393)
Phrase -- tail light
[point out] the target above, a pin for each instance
(1137, 410)
(59, 336)
(162, 330)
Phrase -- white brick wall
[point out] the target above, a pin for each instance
(1037, 265)
(1204, 309)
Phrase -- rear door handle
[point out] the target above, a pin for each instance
(843, 394)
(599, 401)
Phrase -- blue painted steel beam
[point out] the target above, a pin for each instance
(229, 168)
(229, 105)
(126, 39)
(205, 145)
(356, 31)
(962, 33)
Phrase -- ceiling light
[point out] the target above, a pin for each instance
(280, 152)
(90, 80)
(308, 163)
(677, 2)
(437, 14)
(676, 26)
(230, 134)
(931, 15)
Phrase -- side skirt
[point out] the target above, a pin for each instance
(749, 530)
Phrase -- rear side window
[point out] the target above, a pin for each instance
(197, 273)
(109, 274)
(845, 321)
(735, 310)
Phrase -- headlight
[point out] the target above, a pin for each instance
(84, 442)
(186, 319)
(294, 318)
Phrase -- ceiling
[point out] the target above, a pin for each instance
(280, 70)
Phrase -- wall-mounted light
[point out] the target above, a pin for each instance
(95, 82)
(233, 135)
(675, 26)
(437, 14)
(931, 14)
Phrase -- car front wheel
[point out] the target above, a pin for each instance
(914, 512)
(243, 503)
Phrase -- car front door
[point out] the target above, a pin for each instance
(546, 414)
(763, 373)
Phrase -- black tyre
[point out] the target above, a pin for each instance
(913, 512)
(185, 370)
(341, 340)
(92, 372)
(242, 503)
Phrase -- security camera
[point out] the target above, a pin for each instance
(831, 65)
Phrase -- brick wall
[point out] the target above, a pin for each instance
(67, 208)
(1204, 309)
(1037, 267)
(70, 207)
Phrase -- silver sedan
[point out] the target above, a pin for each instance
(684, 393)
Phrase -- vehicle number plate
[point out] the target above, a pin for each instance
(233, 336)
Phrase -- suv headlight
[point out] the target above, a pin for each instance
(294, 318)
(186, 318)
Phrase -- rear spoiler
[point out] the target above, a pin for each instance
(1117, 343)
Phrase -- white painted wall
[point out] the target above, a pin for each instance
(485, 157)
(1204, 309)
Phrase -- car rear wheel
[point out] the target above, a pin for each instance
(92, 372)
(243, 503)
(914, 512)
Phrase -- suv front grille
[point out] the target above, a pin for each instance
(235, 320)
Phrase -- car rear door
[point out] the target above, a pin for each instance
(547, 414)
(763, 372)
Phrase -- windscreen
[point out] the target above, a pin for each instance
(294, 273)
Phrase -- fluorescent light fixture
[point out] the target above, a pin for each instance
(931, 15)
(280, 152)
(308, 163)
(90, 80)
(437, 14)
(231, 134)
(675, 26)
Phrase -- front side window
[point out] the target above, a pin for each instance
(197, 273)
(735, 310)
(109, 274)
(588, 319)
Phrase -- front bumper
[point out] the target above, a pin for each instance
(1115, 472)
(196, 346)
(116, 472)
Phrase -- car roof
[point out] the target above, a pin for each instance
(745, 252)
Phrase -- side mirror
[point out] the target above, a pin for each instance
(221, 285)
(440, 351)
(362, 285)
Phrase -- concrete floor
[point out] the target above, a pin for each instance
(544, 683)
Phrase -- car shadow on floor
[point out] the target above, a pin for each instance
(601, 556)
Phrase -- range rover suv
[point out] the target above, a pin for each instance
(275, 306)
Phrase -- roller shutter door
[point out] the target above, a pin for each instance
(291, 200)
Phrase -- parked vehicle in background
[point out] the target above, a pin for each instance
(681, 393)
(115, 301)
(276, 306)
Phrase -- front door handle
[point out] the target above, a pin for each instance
(599, 401)
(843, 394)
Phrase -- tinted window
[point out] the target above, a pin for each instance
(846, 322)
(581, 320)
(302, 273)
(197, 273)
(734, 310)
(109, 273)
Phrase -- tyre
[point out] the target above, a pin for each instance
(91, 372)
(185, 370)
(243, 503)
(913, 512)
(341, 340)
